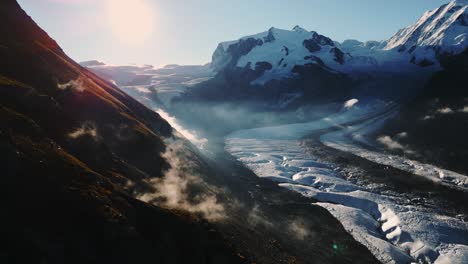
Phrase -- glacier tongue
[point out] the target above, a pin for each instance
(394, 229)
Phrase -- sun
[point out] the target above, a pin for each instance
(131, 21)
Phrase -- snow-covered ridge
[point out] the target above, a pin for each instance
(281, 50)
(445, 28)
(278, 51)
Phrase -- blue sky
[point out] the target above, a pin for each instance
(188, 31)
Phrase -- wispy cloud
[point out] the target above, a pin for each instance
(256, 217)
(190, 135)
(388, 142)
(445, 110)
(392, 144)
(75, 85)
(402, 135)
(173, 190)
(299, 229)
(87, 129)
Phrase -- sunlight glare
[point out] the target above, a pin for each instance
(130, 20)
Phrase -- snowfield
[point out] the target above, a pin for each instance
(394, 229)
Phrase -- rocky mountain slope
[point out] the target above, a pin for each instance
(433, 126)
(73, 148)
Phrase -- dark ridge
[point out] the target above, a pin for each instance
(70, 143)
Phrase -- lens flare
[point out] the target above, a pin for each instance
(131, 21)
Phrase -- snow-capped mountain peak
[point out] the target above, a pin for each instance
(278, 51)
(298, 28)
(443, 30)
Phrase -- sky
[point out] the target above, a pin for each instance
(160, 32)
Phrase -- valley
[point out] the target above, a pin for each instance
(386, 209)
(287, 147)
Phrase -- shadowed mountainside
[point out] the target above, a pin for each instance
(70, 142)
(434, 124)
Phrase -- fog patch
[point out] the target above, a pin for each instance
(173, 190)
(445, 110)
(388, 142)
(299, 229)
(402, 135)
(224, 118)
(256, 217)
(350, 103)
(428, 117)
(86, 129)
(190, 135)
(464, 109)
(74, 85)
(392, 144)
(143, 89)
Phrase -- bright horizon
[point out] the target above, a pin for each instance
(161, 32)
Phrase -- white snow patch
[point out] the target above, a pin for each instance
(350, 103)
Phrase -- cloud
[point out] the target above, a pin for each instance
(190, 135)
(74, 85)
(299, 229)
(256, 217)
(445, 110)
(402, 135)
(464, 109)
(86, 129)
(350, 103)
(173, 190)
(143, 89)
(391, 144)
(428, 117)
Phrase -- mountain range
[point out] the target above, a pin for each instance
(99, 167)
(436, 34)
(296, 75)
(91, 175)
(279, 72)
(375, 130)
